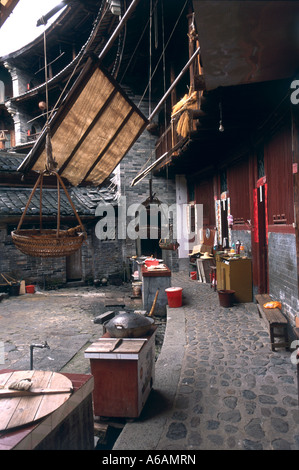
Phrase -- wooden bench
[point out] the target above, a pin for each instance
(277, 322)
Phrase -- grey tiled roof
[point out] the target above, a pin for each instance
(13, 200)
(10, 161)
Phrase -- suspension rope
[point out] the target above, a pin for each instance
(51, 163)
(136, 47)
(164, 81)
(173, 30)
(150, 59)
(164, 63)
(120, 50)
(77, 60)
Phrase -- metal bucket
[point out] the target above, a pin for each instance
(136, 287)
(14, 289)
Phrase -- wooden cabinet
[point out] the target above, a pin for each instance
(235, 274)
(152, 280)
(123, 374)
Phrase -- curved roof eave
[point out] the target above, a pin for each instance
(39, 39)
(52, 80)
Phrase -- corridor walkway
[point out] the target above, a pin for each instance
(218, 384)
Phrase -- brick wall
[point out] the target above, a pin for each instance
(244, 236)
(282, 266)
(40, 271)
(283, 272)
(102, 258)
(99, 259)
(137, 159)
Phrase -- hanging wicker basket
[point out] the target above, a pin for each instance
(167, 245)
(46, 243)
(49, 243)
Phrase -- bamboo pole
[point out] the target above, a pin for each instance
(173, 85)
(120, 26)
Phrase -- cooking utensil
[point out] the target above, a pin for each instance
(154, 304)
(8, 393)
(129, 325)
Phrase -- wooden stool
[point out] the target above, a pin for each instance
(277, 322)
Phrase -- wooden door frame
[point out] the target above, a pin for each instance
(75, 257)
(260, 245)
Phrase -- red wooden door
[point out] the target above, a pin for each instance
(260, 236)
(224, 222)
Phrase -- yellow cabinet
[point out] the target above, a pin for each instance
(235, 274)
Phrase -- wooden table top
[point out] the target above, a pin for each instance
(11, 438)
(155, 272)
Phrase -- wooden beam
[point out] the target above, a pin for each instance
(119, 28)
(183, 71)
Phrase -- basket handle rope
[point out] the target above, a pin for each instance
(59, 183)
(71, 202)
(58, 207)
(28, 202)
(40, 202)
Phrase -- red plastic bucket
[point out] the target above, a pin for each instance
(174, 296)
(30, 289)
(193, 275)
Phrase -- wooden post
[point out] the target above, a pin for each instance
(295, 161)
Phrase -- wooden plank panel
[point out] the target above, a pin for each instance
(8, 405)
(131, 346)
(85, 124)
(204, 194)
(116, 345)
(16, 412)
(46, 406)
(27, 407)
(278, 165)
(115, 387)
(103, 345)
(238, 185)
(117, 150)
(272, 315)
(78, 118)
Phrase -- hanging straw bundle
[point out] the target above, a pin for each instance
(188, 102)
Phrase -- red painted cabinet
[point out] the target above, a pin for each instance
(123, 374)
